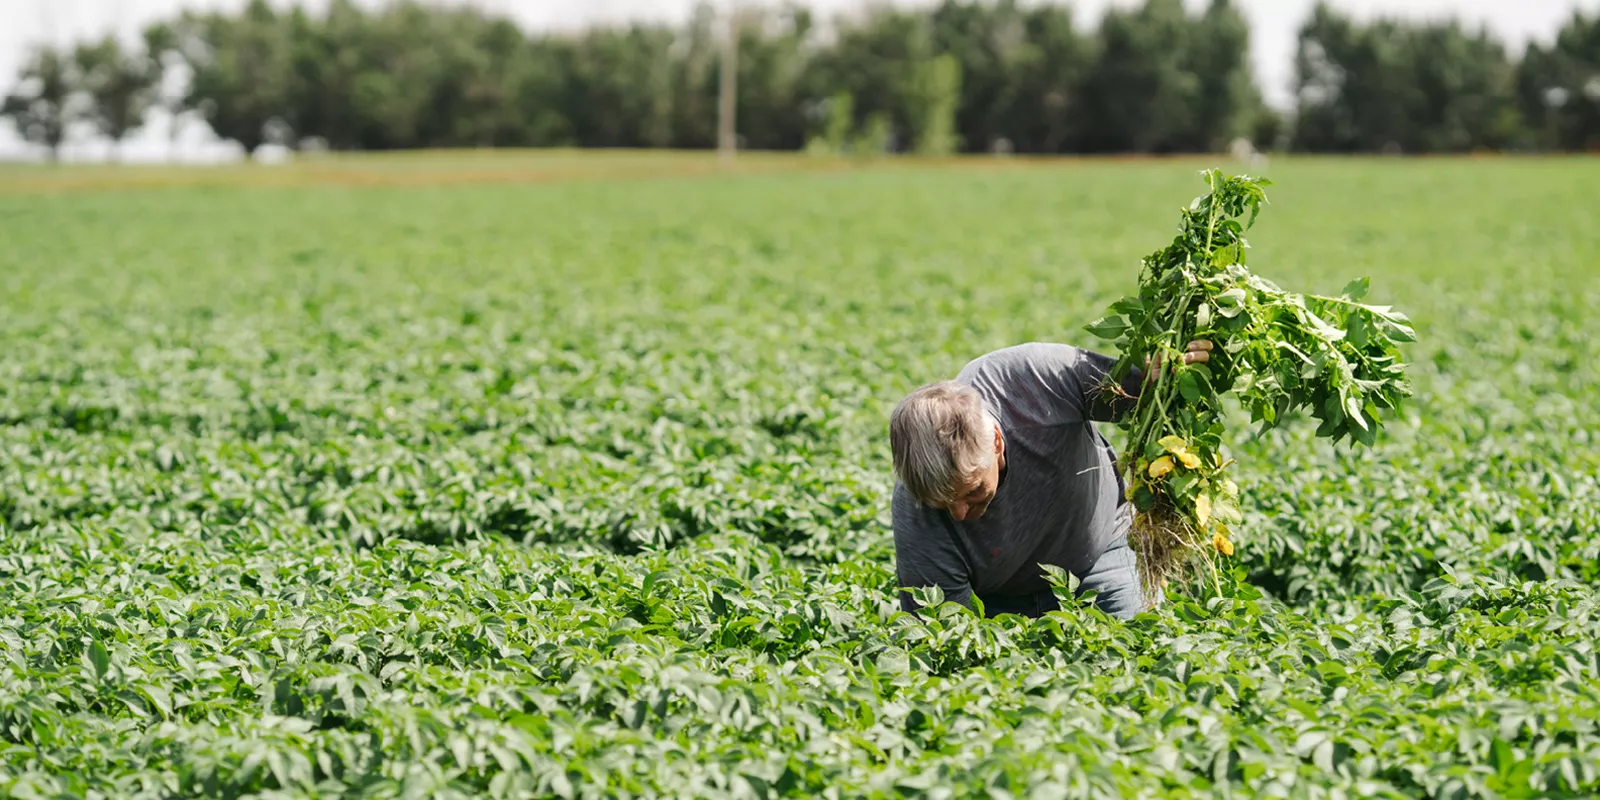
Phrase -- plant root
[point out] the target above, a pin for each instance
(1167, 546)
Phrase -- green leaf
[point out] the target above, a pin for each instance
(1189, 386)
(1056, 576)
(1183, 482)
(1501, 758)
(652, 579)
(894, 661)
(159, 698)
(1231, 300)
(1143, 498)
(1108, 327)
(1332, 672)
(1128, 305)
(1352, 407)
(1356, 330)
(97, 660)
(1357, 289)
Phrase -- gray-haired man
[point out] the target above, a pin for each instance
(1001, 470)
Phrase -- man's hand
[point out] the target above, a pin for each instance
(1199, 352)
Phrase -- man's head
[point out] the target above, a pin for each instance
(948, 450)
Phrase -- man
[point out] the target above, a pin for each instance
(1001, 470)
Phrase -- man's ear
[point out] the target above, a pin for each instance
(999, 440)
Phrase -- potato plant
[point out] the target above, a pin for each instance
(1279, 352)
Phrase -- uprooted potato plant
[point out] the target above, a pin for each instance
(1278, 351)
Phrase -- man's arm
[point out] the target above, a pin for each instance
(1104, 401)
(927, 555)
(1110, 403)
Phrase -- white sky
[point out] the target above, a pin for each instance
(1274, 23)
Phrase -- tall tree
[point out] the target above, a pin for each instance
(619, 86)
(119, 86)
(39, 104)
(988, 42)
(540, 88)
(1465, 98)
(161, 49)
(1046, 112)
(695, 79)
(1326, 119)
(977, 75)
(1021, 72)
(1558, 86)
(1228, 98)
(242, 71)
(935, 93)
(773, 56)
(1141, 94)
(1405, 87)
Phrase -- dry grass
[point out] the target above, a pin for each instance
(475, 167)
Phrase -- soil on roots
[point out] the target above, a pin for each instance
(1166, 545)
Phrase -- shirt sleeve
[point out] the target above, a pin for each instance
(926, 555)
(1057, 384)
(1101, 402)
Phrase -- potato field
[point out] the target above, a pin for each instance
(385, 483)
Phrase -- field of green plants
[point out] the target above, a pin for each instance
(580, 489)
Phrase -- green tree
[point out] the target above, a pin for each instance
(1021, 72)
(1137, 95)
(161, 50)
(935, 94)
(39, 104)
(540, 88)
(988, 43)
(1166, 82)
(119, 86)
(242, 70)
(619, 87)
(772, 97)
(872, 60)
(1558, 86)
(1405, 87)
(1228, 99)
(965, 74)
(694, 80)
(1325, 119)
(1466, 91)
(1046, 110)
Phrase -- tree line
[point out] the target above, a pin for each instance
(960, 76)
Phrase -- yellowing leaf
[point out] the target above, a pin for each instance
(1173, 444)
(1189, 460)
(1160, 466)
(1202, 510)
(1222, 544)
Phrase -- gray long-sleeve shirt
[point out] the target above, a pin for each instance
(1060, 500)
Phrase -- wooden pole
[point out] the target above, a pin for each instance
(727, 101)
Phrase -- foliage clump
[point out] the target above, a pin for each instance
(1278, 351)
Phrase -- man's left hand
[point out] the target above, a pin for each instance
(1199, 352)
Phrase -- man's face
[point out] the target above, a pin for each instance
(974, 495)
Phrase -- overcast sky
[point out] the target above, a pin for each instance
(1273, 25)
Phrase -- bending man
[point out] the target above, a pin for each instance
(1001, 470)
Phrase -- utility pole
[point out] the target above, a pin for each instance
(727, 133)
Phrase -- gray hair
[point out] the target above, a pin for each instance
(940, 434)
